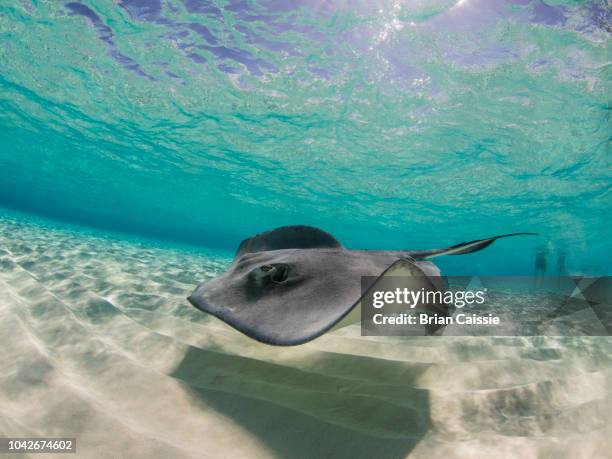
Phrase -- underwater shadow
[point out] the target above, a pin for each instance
(301, 414)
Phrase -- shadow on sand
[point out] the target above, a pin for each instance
(305, 414)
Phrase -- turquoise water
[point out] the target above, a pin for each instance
(141, 140)
(397, 124)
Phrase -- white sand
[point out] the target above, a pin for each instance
(99, 343)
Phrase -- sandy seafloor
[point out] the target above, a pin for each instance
(98, 343)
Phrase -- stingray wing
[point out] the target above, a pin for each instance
(288, 237)
(322, 288)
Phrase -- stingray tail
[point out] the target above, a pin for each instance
(465, 247)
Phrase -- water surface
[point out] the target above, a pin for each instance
(395, 124)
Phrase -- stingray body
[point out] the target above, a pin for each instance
(290, 285)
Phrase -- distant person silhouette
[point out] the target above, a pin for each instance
(562, 263)
(540, 262)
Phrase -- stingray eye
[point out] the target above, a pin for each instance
(276, 273)
(280, 273)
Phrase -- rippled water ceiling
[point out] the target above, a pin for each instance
(409, 124)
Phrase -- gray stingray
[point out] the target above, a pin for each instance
(290, 285)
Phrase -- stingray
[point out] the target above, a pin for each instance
(292, 284)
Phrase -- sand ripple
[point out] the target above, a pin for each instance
(99, 343)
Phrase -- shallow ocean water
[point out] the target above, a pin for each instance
(393, 124)
(99, 343)
(157, 134)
